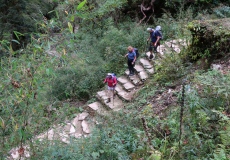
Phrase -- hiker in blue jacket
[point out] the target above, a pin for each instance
(155, 37)
(131, 60)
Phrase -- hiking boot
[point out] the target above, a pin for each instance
(108, 100)
(131, 74)
(151, 56)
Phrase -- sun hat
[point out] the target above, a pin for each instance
(149, 29)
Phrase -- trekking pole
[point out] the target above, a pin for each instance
(113, 95)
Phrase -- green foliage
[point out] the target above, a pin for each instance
(19, 16)
(32, 83)
(205, 121)
(209, 39)
(222, 12)
(115, 140)
(115, 42)
(170, 69)
(177, 23)
(21, 98)
(76, 82)
(25, 109)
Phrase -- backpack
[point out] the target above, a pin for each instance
(161, 35)
(158, 28)
(136, 51)
(114, 77)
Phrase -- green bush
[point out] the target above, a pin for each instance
(170, 69)
(76, 82)
(222, 12)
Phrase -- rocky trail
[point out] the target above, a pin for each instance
(82, 125)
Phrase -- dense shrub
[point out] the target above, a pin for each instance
(76, 82)
(222, 12)
(170, 69)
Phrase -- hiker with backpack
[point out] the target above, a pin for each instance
(131, 59)
(111, 81)
(155, 37)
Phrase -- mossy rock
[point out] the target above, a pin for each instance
(211, 39)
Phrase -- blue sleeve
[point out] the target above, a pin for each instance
(134, 53)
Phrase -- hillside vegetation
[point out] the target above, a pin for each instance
(55, 55)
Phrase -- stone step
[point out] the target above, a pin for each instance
(177, 49)
(128, 86)
(85, 127)
(96, 108)
(102, 96)
(115, 103)
(170, 44)
(56, 133)
(150, 71)
(76, 128)
(122, 80)
(162, 49)
(145, 63)
(122, 93)
(148, 56)
(82, 116)
(135, 79)
(139, 68)
(174, 45)
(183, 43)
(14, 153)
(143, 75)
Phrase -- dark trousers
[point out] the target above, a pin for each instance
(153, 48)
(131, 66)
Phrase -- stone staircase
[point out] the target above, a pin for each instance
(81, 126)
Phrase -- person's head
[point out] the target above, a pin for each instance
(158, 28)
(130, 48)
(109, 75)
(149, 30)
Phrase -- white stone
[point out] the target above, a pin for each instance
(143, 75)
(128, 86)
(150, 71)
(77, 135)
(146, 63)
(75, 126)
(177, 49)
(102, 95)
(135, 79)
(216, 66)
(174, 41)
(169, 44)
(138, 68)
(15, 155)
(85, 127)
(122, 80)
(127, 72)
(82, 116)
(94, 106)
(115, 104)
(124, 95)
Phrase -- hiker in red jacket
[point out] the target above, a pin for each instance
(111, 82)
